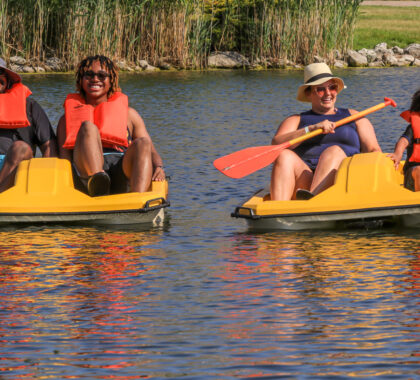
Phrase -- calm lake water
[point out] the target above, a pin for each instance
(203, 297)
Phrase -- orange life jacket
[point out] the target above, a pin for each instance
(13, 107)
(110, 117)
(414, 119)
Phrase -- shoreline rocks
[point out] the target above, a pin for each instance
(380, 56)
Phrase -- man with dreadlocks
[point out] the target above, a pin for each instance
(104, 138)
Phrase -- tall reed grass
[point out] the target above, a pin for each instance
(182, 32)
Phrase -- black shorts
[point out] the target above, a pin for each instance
(113, 167)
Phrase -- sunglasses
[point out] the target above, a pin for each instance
(322, 90)
(101, 75)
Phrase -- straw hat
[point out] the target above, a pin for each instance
(14, 78)
(314, 74)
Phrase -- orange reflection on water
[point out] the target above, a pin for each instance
(337, 287)
(82, 277)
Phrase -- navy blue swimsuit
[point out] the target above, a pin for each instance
(346, 137)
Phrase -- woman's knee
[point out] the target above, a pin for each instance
(20, 150)
(286, 158)
(87, 128)
(141, 144)
(334, 150)
(333, 153)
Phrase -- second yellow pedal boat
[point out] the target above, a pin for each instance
(367, 191)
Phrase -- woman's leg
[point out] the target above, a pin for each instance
(415, 173)
(327, 167)
(18, 152)
(87, 153)
(137, 164)
(289, 173)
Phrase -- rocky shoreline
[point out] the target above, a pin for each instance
(380, 56)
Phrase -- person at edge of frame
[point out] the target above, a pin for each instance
(410, 140)
(24, 126)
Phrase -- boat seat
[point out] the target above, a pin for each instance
(44, 176)
(373, 172)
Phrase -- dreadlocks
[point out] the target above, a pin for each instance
(106, 64)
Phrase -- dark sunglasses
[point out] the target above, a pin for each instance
(331, 88)
(101, 75)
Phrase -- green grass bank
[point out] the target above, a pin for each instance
(397, 26)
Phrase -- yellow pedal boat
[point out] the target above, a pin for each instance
(44, 193)
(368, 191)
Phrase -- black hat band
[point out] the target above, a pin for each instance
(319, 76)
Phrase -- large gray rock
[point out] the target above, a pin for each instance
(397, 50)
(227, 60)
(53, 64)
(413, 49)
(123, 65)
(16, 68)
(278, 63)
(18, 60)
(370, 54)
(406, 58)
(143, 64)
(382, 47)
(151, 68)
(28, 69)
(355, 59)
(340, 64)
(163, 65)
(376, 64)
(389, 59)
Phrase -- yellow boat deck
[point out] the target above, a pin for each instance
(366, 186)
(44, 191)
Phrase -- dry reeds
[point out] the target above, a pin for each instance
(182, 32)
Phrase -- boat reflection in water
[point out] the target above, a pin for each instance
(63, 289)
(336, 298)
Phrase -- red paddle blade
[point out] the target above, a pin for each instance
(246, 161)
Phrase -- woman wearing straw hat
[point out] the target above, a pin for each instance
(24, 126)
(310, 167)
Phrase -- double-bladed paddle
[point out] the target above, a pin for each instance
(246, 161)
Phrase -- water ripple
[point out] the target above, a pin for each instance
(202, 297)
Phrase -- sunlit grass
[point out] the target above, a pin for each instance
(397, 26)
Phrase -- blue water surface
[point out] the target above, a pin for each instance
(201, 296)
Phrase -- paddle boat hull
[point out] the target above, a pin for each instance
(368, 191)
(44, 193)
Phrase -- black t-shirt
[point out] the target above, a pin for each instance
(36, 134)
(408, 134)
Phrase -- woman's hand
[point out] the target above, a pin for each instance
(158, 174)
(326, 126)
(396, 158)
